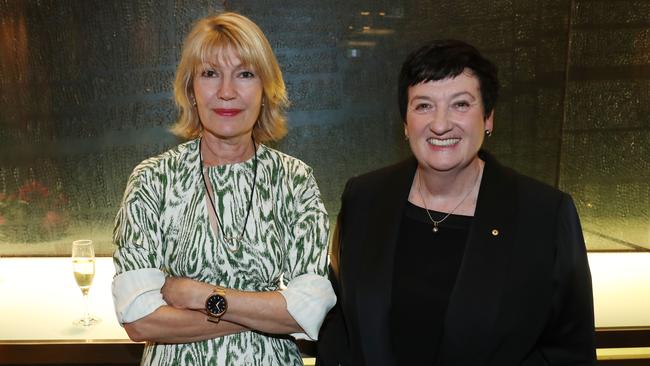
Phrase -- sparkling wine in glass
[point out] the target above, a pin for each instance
(83, 267)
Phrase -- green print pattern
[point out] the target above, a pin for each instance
(163, 223)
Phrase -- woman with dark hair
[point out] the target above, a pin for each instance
(210, 232)
(449, 258)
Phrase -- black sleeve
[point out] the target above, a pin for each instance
(332, 346)
(569, 338)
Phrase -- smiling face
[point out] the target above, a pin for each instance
(445, 123)
(228, 97)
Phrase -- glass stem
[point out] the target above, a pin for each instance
(86, 318)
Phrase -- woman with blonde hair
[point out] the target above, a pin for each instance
(221, 241)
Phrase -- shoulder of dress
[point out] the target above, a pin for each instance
(179, 155)
(288, 164)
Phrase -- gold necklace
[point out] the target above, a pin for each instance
(435, 228)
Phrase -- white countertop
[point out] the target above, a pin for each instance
(39, 298)
(621, 283)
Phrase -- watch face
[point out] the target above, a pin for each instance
(216, 305)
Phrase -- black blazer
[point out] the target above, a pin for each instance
(523, 292)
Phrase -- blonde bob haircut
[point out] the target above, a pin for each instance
(240, 34)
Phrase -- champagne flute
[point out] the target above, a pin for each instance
(83, 266)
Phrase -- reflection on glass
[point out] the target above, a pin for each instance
(75, 127)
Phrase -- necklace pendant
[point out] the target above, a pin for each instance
(435, 228)
(232, 248)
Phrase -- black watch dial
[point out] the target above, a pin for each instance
(216, 305)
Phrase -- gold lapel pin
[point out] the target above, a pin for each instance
(495, 232)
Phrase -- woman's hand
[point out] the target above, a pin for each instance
(168, 324)
(185, 293)
(264, 311)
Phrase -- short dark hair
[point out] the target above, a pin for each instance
(442, 59)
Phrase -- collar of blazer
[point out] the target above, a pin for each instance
(468, 323)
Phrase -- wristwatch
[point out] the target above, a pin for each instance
(216, 304)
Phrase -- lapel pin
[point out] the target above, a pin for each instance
(495, 232)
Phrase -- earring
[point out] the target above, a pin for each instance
(193, 101)
(488, 133)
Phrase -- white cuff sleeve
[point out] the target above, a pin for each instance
(309, 297)
(136, 293)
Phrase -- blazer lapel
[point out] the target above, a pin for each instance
(376, 272)
(473, 307)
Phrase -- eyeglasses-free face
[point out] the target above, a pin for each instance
(228, 97)
(444, 122)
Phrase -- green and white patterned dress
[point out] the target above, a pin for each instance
(163, 225)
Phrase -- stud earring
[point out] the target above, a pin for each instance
(193, 101)
(488, 133)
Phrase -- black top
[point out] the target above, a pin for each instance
(523, 293)
(426, 265)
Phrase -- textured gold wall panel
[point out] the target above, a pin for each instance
(85, 94)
